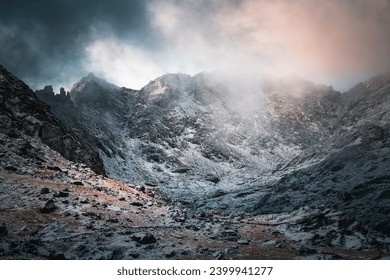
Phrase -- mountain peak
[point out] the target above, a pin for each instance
(375, 86)
(295, 86)
(378, 82)
(91, 78)
(168, 83)
(91, 88)
(25, 117)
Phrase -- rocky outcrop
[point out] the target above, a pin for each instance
(22, 113)
(47, 95)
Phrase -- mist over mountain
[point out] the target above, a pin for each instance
(287, 144)
(277, 168)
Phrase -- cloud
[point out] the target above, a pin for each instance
(45, 41)
(121, 63)
(129, 42)
(326, 40)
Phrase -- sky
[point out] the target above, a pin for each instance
(130, 42)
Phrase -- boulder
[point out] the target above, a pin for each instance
(143, 238)
(44, 191)
(49, 207)
(3, 229)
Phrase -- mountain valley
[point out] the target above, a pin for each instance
(192, 167)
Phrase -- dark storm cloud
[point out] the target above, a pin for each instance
(45, 40)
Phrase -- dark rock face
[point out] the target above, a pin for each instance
(47, 95)
(22, 112)
(92, 110)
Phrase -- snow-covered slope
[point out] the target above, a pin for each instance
(288, 170)
(286, 144)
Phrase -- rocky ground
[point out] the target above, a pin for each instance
(52, 208)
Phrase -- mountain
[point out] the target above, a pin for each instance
(178, 117)
(86, 114)
(287, 144)
(212, 167)
(54, 208)
(24, 116)
(92, 91)
(49, 204)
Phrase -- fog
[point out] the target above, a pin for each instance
(334, 42)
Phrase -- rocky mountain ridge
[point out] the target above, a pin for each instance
(195, 138)
(206, 171)
(23, 114)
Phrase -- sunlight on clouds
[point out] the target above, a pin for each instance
(121, 63)
(324, 41)
(328, 42)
